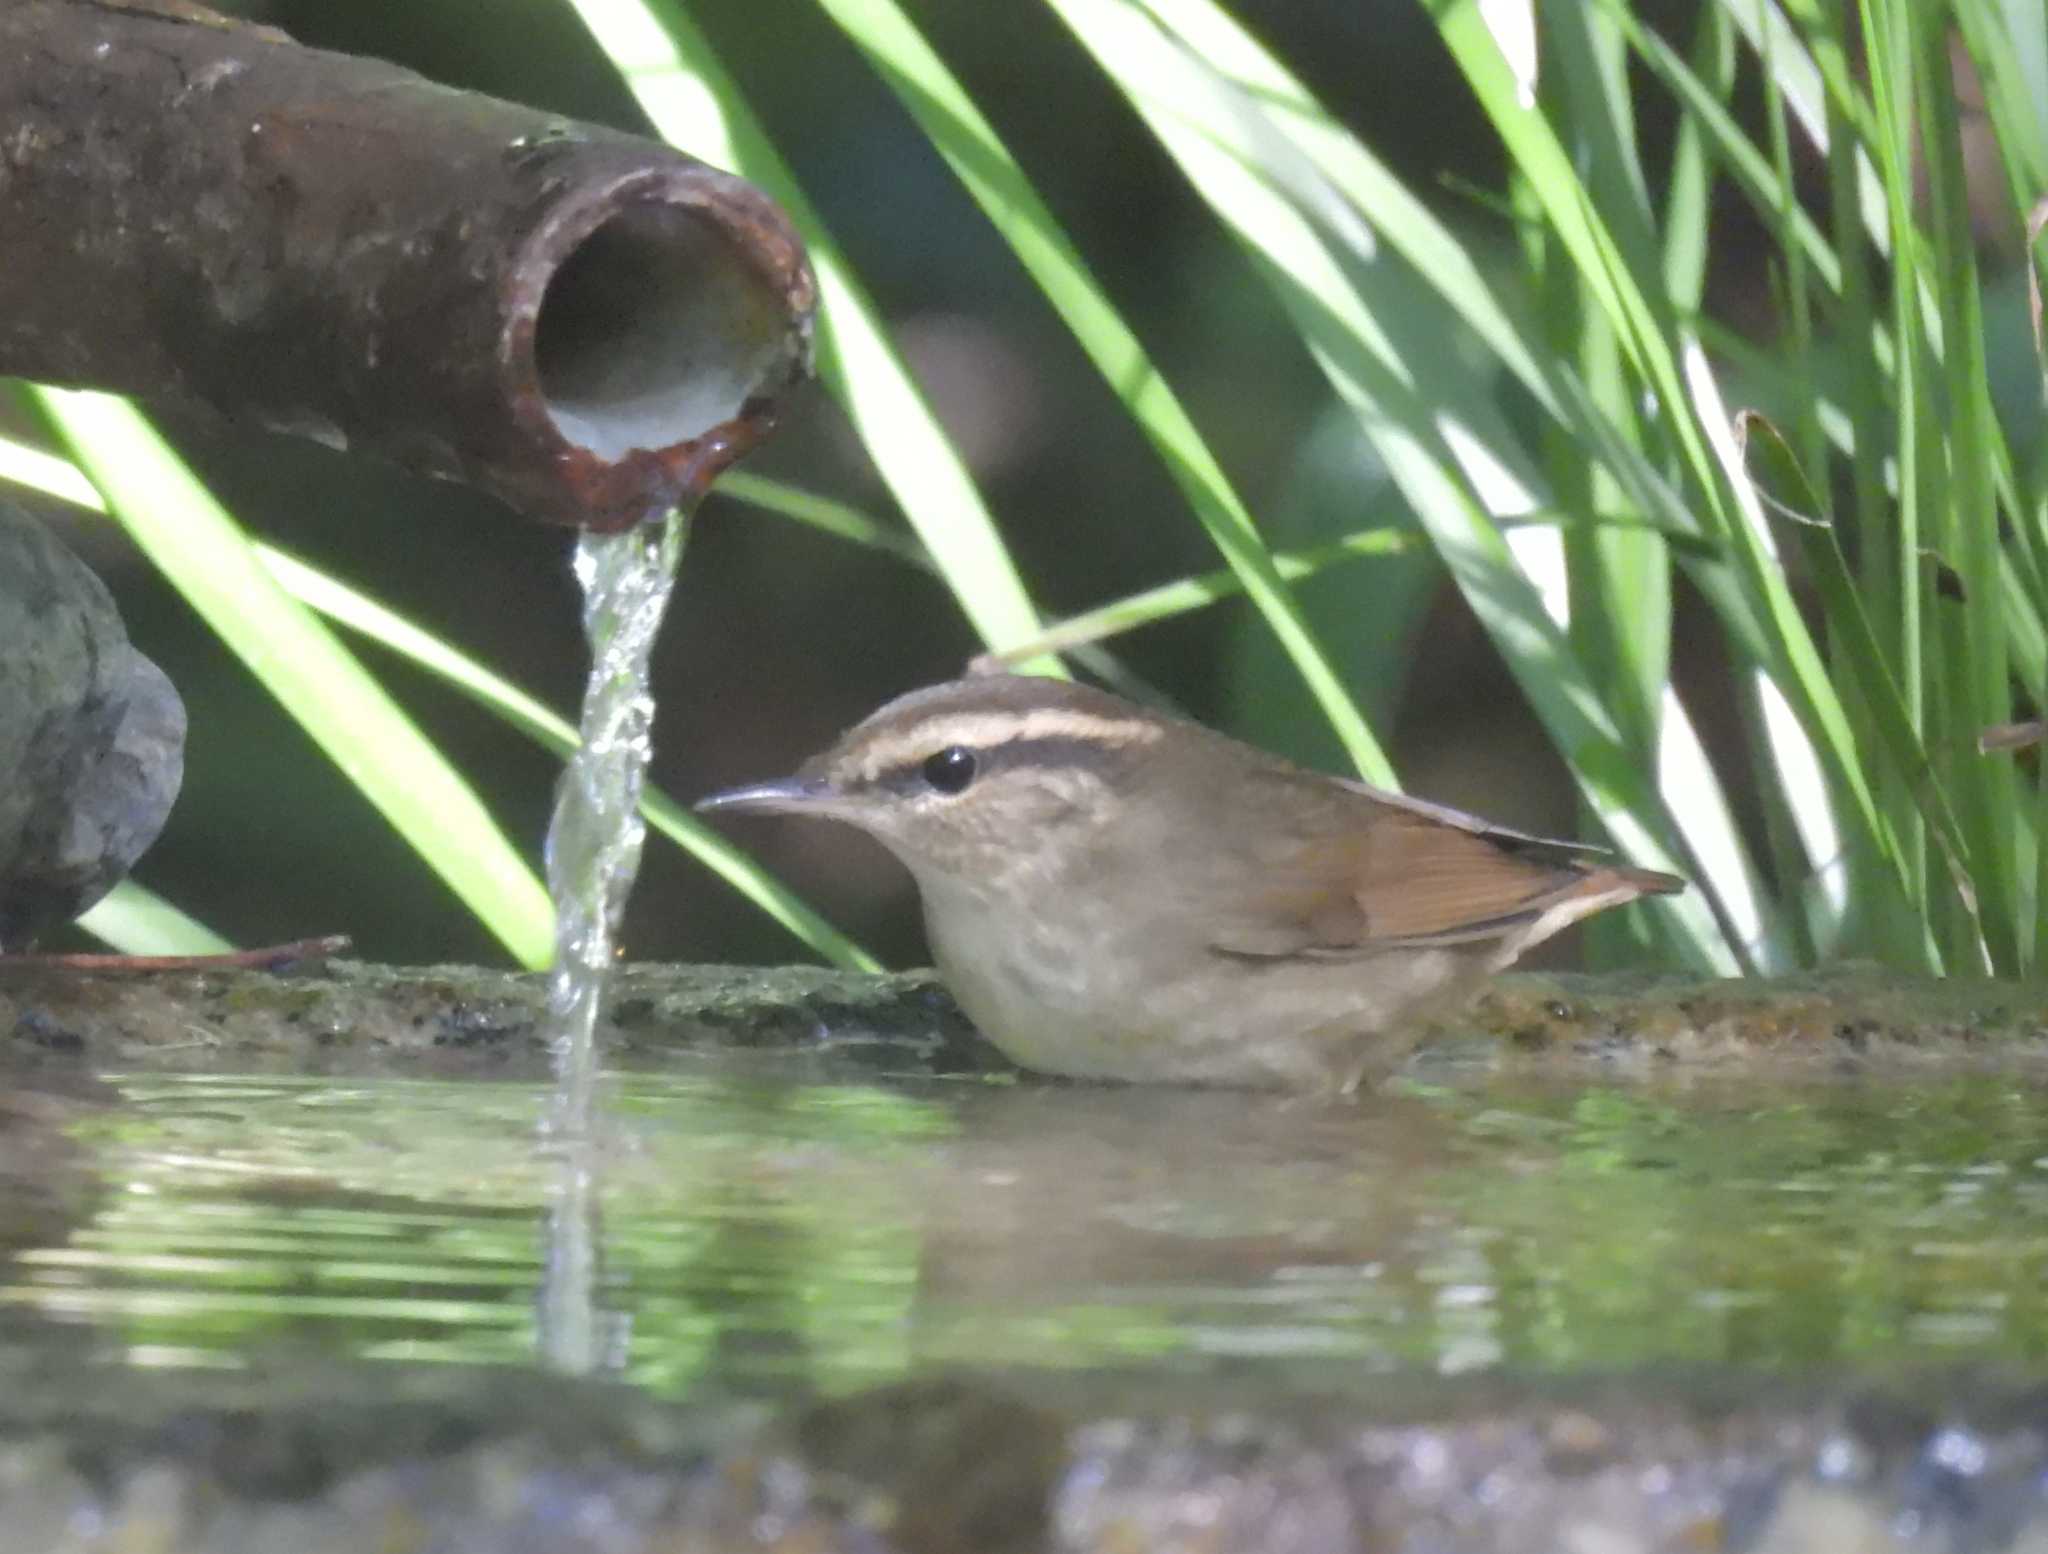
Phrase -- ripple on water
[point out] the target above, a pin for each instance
(765, 1234)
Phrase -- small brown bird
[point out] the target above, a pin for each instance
(1111, 893)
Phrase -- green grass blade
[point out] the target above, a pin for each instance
(1748, 168)
(841, 520)
(1975, 673)
(205, 555)
(1187, 594)
(1336, 178)
(36, 469)
(1385, 358)
(346, 606)
(2008, 43)
(685, 91)
(971, 147)
(1815, 74)
(1862, 661)
(1620, 584)
(1688, 201)
(1675, 369)
(1894, 564)
(136, 921)
(1275, 125)
(2027, 630)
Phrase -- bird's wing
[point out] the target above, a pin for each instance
(1412, 873)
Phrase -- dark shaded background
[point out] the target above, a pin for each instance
(781, 637)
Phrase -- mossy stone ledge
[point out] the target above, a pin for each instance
(347, 1014)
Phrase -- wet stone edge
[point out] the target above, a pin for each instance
(347, 1014)
(959, 1462)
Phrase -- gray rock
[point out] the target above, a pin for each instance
(92, 736)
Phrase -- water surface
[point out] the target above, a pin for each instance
(764, 1233)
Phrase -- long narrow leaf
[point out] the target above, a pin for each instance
(1194, 593)
(984, 165)
(206, 556)
(669, 65)
(1783, 483)
(136, 921)
(343, 604)
(1372, 358)
(842, 520)
(1676, 371)
(1188, 594)
(1739, 156)
(1277, 126)
(148, 926)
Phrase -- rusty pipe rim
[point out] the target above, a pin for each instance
(652, 324)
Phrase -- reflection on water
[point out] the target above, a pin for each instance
(764, 1235)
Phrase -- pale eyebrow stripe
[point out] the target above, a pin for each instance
(987, 730)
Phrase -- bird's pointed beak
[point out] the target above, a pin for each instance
(784, 795)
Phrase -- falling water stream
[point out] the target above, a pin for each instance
(593, 848)
(593, 853)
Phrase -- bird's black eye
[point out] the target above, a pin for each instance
(951, 770)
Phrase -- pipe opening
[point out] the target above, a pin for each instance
(655, 330)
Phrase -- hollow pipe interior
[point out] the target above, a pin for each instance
(653, 331)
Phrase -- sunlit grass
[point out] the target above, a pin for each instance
(1577, 439)
(208, 558)
(686, 94)
(137, 922)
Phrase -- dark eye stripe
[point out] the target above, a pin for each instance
(1010, 755)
